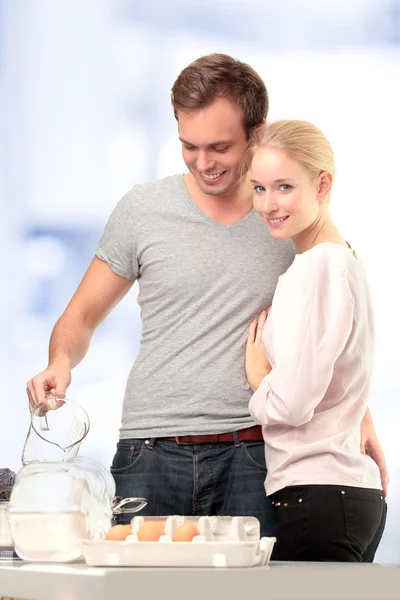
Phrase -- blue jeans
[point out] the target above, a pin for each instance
(200, 479)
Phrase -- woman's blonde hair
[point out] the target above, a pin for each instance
(300, 140)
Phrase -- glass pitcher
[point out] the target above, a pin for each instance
(57, 429)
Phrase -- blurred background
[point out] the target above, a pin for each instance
(85, 114)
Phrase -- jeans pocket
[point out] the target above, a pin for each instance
(362, 513)
(254, 453)
(128, 455)
(290, 497)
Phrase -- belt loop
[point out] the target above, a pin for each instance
(236, 439)
(150, 443)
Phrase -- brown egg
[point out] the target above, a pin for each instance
(119, 533)
(151, 531)
(185, 533)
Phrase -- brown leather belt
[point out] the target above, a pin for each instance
(251, 434)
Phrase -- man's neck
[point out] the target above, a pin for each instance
(226, 208)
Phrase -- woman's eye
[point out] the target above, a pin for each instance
(259, 189)
(285, 187)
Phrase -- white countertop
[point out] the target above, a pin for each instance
(279, 581)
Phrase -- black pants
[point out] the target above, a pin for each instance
(328, 523)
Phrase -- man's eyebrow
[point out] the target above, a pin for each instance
(221, 143)
(217, 143)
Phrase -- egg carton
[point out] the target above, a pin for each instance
(223, 542)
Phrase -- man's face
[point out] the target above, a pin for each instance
(213, 145)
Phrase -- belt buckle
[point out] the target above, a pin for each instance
(180, 443)
(177, 440)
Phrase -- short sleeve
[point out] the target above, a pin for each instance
(312, 324)
(118, 244)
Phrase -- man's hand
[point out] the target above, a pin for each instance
(370, 445)
(257, 364)
(55, 379)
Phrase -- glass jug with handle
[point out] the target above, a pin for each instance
(57, 428)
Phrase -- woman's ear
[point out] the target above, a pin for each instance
(325, 181)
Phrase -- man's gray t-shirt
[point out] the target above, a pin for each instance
(200, 285)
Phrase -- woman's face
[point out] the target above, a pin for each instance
(285, 195)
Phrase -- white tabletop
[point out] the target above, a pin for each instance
(279, 581)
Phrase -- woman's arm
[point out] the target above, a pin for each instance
(307, 340)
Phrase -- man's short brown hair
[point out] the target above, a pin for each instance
(221, 76)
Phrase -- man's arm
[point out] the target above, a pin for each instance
(98, 293)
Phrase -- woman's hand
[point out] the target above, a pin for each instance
(370, 445)
(257, 364)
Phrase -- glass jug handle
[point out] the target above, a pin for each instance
(119, 503)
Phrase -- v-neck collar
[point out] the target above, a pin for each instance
(205, 217)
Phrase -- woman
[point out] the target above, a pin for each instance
(309, 363)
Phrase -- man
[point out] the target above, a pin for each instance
(206, 266)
